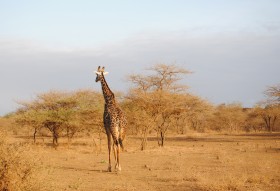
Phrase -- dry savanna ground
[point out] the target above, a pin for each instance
(189, 162)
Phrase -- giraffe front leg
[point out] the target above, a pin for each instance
(109, 149)
(116, 147)
(109, 165)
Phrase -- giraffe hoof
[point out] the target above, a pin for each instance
(109, 169)
(119, 169)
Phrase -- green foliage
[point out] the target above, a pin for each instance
(62, 113)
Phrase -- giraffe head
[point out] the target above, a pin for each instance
(100, 73)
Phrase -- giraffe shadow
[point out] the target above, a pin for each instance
(83, 169)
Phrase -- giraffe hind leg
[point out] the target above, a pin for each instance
(116, 136)
(115, 153)
(117, 150)
(118, 158)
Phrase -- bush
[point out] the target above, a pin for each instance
(19, 169)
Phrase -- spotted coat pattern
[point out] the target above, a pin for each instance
(114, 120)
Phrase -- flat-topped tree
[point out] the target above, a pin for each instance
(159, 94)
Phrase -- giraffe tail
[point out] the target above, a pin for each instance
(121, 143)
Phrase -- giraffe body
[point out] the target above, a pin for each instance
(114, 120)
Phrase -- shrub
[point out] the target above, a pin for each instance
(19, 169)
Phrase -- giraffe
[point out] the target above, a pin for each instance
(114, 120)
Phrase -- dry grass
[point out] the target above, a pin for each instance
(193, 162)
(21, 167)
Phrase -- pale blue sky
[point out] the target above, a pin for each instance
(232, 46)
(90, 23)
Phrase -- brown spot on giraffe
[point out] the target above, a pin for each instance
(114, 120)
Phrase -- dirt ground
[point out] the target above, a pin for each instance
(189, 162)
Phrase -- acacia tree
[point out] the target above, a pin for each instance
(63, 113)
(168, 107)
(253, 121)
(269, 109)
(273, 95)
(229, 118)
(55, 111)
(198, 113)
(30, 118)
(139, 116)
(269, 115)
(159, 95)
(90, 113)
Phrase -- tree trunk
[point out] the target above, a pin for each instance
(55, 137)
(267, 123)
(68, 135)
(100, 140)
(162, 138)
(272, 123)
(270, 127)
(34, 135)
(158, 139)
(144, 139)
(193, 124)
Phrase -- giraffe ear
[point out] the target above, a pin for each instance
(104, 73)
(99, 73)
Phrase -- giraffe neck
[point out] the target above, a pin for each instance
(108, 95)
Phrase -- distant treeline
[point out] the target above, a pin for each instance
(156, 104)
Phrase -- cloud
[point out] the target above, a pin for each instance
(227, 67)
(272, 27)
